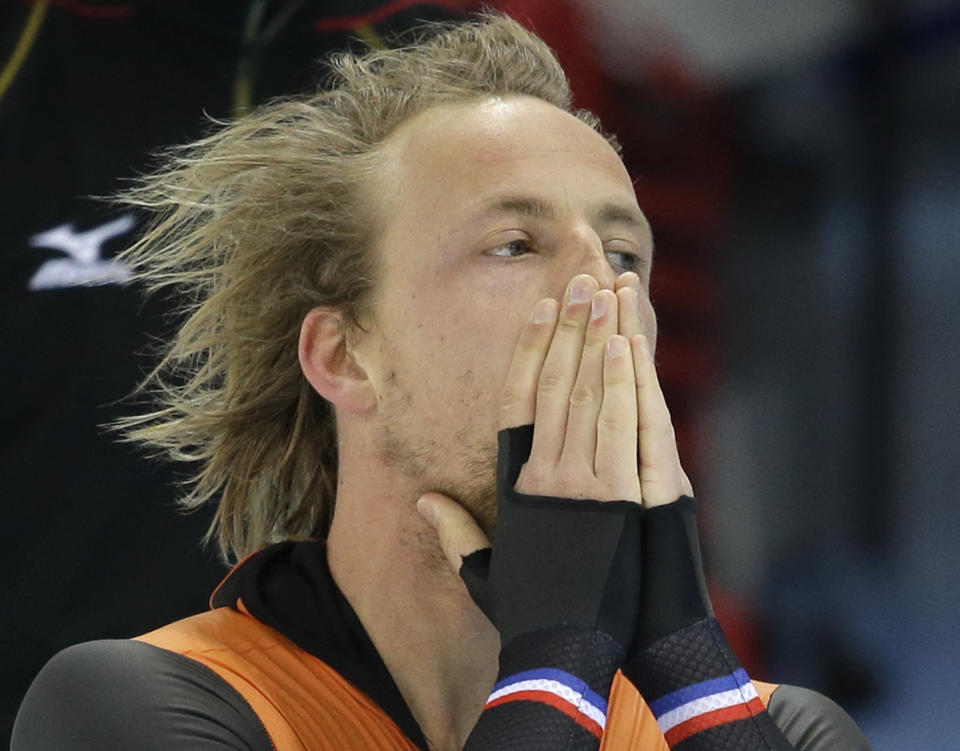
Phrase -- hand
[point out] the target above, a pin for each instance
(567, 480)
(565, 380)
(573, 380)
(591, 411)
(662, 479)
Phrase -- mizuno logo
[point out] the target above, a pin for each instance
(84, 267)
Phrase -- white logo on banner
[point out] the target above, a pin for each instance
(84, 267)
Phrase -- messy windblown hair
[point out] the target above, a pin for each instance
(260, 222)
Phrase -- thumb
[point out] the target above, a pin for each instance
(458, 532)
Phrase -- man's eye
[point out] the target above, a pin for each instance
(511, 249)
(627, 261)
(619, 258)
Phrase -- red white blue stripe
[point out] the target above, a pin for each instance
(556, 688)
(696, 708)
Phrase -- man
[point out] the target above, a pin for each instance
(419, 318)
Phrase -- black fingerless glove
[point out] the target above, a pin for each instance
(556, 561)
(681, 662)
(562, 586)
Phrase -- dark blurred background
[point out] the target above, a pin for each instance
(800, 164)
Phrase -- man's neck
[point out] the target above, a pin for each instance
(439, 648)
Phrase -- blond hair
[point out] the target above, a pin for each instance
(260, 222)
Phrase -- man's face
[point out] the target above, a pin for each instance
(488, 208)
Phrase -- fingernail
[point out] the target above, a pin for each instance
(581, 290)
(598, 307)
(616, 346)
(543, 312)
(635, 282)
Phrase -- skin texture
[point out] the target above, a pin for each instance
(488, 208)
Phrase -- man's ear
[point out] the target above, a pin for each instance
(328, 364)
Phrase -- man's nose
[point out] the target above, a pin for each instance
(588, 256)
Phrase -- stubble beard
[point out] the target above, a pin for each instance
(466, 471)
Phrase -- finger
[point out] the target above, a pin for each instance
(580, 438)
(662, 479)
(559, 371)
(616, 456)
(625, 280)
(518, 399)
(459, 534)
(628, 299)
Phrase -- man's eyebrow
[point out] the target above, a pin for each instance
(625, 214)
(525, 206)
(613, 213)
(607, 213)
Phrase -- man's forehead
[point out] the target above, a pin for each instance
(521, 155)
(493, 131)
